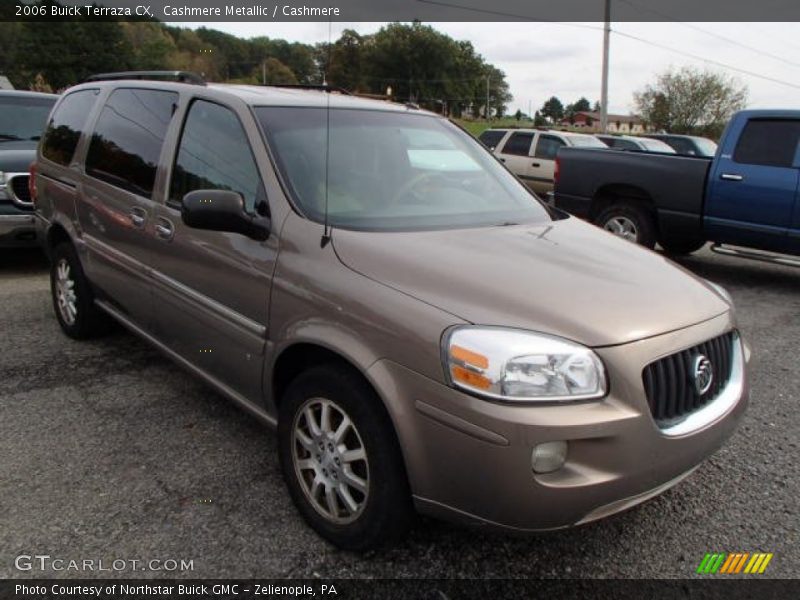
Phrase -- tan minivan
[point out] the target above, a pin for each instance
(365, 276)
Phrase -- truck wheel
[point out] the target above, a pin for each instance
(685, 246)
(341, 460)
(629, 221)
(73, 301)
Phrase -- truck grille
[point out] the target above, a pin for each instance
(671, 384)
(19, 190)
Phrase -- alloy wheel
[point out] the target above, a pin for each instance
(65, 292)
(330, 460)
(622, 227)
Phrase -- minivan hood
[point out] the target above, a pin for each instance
(566, 278)
(17, 156)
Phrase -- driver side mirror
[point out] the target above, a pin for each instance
(222, 210)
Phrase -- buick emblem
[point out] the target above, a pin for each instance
(703, 374)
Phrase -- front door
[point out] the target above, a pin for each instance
(753, 187)
(211, 288)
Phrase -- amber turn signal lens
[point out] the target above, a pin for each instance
(469, 357)
(470, 378)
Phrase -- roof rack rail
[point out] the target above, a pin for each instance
(179, 76)
(311, 86)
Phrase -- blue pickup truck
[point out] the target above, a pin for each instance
(745, 196)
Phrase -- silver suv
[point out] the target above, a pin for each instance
(366, 277)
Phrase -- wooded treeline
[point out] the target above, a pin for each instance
(413, 62)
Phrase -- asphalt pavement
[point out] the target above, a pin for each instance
(108, 451)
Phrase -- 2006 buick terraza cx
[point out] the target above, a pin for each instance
(446, 343)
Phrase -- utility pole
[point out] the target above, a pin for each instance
(488, 117)
(264, 72)
(604, 89)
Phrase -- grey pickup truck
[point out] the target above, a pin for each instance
(745, 196)
(22, 119)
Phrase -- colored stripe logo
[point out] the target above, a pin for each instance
(734, 563)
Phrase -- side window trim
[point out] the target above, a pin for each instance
(176, 149)
(91, 130)
(534, 140)
(794, 162)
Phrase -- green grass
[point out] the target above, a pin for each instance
(479, 126)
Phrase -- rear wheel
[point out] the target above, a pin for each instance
(73, 301)
(684, 246)
(629, 221)
(341, 460)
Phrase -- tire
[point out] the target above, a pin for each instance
(73, 300)
(681, 246)
(383, 511)
(629, 221)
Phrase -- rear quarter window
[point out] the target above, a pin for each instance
(66, 126)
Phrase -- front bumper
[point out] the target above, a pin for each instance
(18, 230)
(469, 460)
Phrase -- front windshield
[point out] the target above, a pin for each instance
(586, 141)
(706, 147)
(23, 118)
(392, 171)
(656, 146)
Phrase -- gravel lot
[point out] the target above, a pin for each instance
(108, 450)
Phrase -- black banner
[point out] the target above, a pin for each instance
(402, 10)
(721, 588)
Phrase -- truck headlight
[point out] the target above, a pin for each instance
(515, 365)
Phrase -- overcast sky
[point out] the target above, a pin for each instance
(545, 59)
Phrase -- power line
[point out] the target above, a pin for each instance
(706, 60)
(711, 33)
(498, 13)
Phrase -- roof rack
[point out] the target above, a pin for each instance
(179, 76)
(311, 86)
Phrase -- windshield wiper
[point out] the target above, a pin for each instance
(9, 138)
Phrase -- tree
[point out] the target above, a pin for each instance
(538, 119)
(552, 110)
(691, 101)
(518, 115)
(597, 108)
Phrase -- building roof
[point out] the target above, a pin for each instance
(621, 118)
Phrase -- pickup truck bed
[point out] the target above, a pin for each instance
(671, 186)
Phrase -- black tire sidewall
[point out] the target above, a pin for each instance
(645, 227)
(87, 321)
(388, 512)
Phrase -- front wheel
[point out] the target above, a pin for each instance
(341, 460)
(630, 222)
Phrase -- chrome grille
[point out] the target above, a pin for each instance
(20, 194)
(670, 382)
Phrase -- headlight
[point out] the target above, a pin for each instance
(514, 365)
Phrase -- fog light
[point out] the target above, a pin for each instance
(548, 457)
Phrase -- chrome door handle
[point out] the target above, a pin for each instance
(137, 216)
(731, 177)
(165, 229)
(536, 164)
